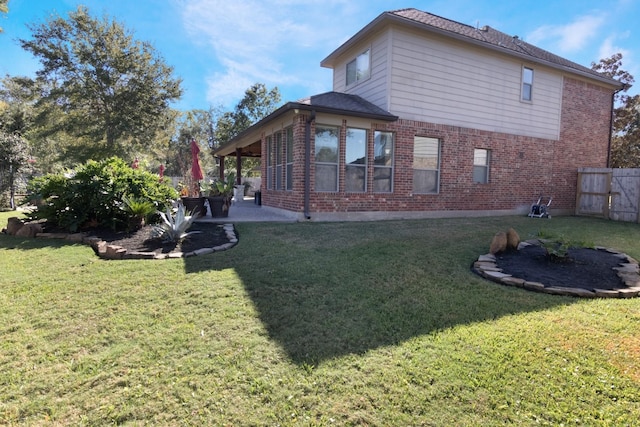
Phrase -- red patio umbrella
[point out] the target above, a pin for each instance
(161, 172)
(196, 170)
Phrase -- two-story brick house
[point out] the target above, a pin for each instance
(430, 117)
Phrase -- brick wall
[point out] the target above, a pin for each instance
(521, 168)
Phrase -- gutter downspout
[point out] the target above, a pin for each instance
(307, 163)
(613, 100)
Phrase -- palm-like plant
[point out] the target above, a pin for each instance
(174, 229)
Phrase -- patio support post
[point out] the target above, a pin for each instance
(238, 167)
(221, 168)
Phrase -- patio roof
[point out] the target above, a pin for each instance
(249, 141)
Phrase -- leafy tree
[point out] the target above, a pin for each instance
(102, 86)
(96, 194)
(13, 157)
(3, 8)
(625, 140)
(257, 103)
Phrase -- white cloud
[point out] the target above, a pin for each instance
(608, 48)
(260, 41)
(570, 37)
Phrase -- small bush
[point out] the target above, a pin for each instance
(93, 195)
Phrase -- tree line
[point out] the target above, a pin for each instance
(100, 92)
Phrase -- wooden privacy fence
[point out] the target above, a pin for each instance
(609, 193)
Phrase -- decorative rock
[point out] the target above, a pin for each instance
(513, 281)
(498, 243)
(487, 257)
(13, 225)
(628, 292)
(29, 230)
(513, 239)
(203, 251)
(534, 286)
(606, 293)
(76, 237)
(496, 275)
(559, 290)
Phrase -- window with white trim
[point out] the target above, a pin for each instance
(269, 162)
(326, 157)
(359, 68)
(278, 161)
(383, 148)
(527, 84)
(355, 174)
(426, 165)
(289, 159)
(481, 158)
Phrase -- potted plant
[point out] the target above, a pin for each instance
(220, 196)
(191, 197)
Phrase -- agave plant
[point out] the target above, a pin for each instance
(174, 228)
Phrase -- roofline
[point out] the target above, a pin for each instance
(292, 106)
(390, 17)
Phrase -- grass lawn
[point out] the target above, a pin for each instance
(314, 324)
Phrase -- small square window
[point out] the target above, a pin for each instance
(481, 159)
(358, 69)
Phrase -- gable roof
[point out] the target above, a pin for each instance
(484, 36)
(328, 102)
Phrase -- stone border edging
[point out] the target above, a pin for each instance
(628, 271)
(107, 251)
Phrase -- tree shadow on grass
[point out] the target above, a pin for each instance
(322, 292)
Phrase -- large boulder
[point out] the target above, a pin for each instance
(13, 225)
(513, 239)
(498, 243)
(29, 230)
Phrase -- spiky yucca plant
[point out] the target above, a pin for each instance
(174, 229)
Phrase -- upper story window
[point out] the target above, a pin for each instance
(359, 68)
(527, 84)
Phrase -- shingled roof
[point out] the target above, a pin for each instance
(482, 36)
(328, 102)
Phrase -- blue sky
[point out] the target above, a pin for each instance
(221, 47)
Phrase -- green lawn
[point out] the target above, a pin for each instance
(314, 324)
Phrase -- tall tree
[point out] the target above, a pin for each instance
(4, 8)
(257, 103)
(625, 138)
(13, 157)
(104, 86)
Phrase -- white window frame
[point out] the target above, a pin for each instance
(325, 165)
(361, 66)
(360, 166)
(481, 164)
(526, 94)
(270, 171)
(421, 164)
(289, 159)
(379, 167)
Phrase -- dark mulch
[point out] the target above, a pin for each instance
(209, 236)
(588, 268)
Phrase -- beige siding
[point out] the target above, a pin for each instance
(442, 81)
(374, 88)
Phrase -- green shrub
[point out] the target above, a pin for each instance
(93, 195)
